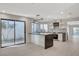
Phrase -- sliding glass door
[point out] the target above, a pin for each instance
(7, 33)
(19, 32)
(13, 32)
(75, 32)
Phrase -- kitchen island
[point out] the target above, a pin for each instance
(45, 40)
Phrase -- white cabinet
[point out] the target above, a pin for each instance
(38, 40)
(60, 36)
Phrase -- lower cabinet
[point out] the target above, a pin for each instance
(64, 37)
(48, 41)
(38, 40)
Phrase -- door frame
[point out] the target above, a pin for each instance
(14, 32)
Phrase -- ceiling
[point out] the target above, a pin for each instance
(46, 10)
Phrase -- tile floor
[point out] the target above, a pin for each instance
(68, 48)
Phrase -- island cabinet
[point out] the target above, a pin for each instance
(48, 41)
(43, 40)
(38, 40)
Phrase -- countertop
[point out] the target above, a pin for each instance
(46, 33)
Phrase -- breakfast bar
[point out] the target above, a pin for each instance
(46, 40)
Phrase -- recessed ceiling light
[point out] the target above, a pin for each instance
(3, 11)
(68, 15)
(61, 12)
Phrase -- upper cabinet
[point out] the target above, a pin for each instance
(56, 24)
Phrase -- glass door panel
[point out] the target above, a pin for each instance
(76, 32)
(7, 33)
(19, 32)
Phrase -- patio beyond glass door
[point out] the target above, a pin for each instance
(7, 33)
(19, 32)
(13, 32)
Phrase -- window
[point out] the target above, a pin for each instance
(41, 28)
(44, 27)
(38, 27)
(35, 27)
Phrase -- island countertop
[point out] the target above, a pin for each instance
(46, 33)
(40, 33)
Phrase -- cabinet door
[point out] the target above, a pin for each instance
(48, 41)
(60, 38)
